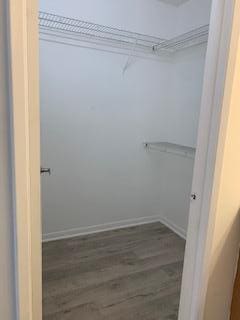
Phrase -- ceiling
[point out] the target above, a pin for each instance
(174, 2)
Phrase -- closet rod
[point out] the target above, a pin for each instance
(168, 147)
(78, 43)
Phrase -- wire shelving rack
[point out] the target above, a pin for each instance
(79, 30)
(194, 37)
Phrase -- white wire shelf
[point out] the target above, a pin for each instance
(79, 30)
(99, 34)
(188, 39)
(168, 147)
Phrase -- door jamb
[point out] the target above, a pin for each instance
(25, 141)
(24, 83)
(218, 80)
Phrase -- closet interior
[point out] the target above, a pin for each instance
(121, 85)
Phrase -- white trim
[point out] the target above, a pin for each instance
(175, 228)
(70, 233)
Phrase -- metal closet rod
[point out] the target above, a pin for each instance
(101, 33)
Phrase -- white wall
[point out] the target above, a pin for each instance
(7, 295)
(94, 120)
(192, 14)
(181, 122)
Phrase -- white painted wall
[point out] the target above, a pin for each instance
(180, 123)
(7, 295)
(192, 14)
(94, 121)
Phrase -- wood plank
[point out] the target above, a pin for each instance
(131, 273)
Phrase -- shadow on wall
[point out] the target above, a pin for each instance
(225, 256)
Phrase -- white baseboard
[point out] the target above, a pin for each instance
(70, 233)
(178, 230)
(98, 228)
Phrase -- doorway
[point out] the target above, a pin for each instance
(120, 100)
(26, 183)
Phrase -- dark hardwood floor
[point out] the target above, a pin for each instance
(126, 274)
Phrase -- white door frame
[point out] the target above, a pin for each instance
(24, 82)
(224, 32)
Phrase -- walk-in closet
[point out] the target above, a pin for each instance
(120, 87)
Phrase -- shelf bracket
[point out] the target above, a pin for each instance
(130, 56)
